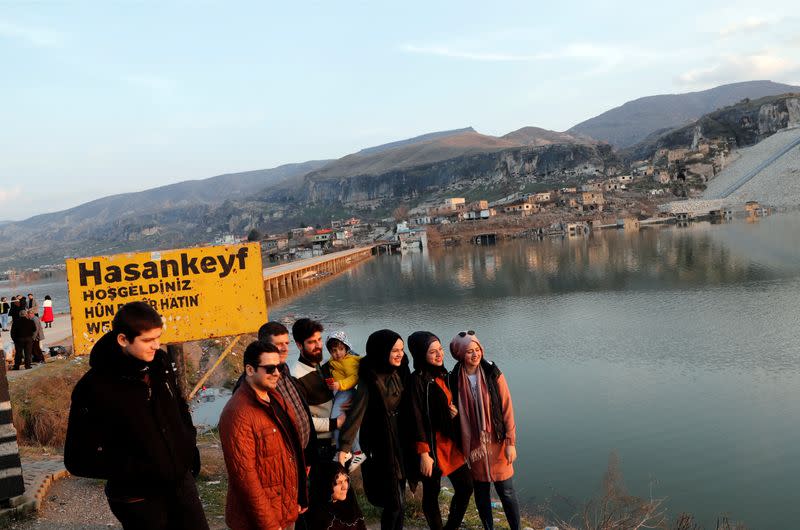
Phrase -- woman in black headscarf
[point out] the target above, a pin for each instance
(338, 510)
(383, 374)
(436, 433)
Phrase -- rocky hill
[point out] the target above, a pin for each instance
(457, 160)
(508, 168)
(166, 215)
(536, 136)
(415, 140)
(632, 122)
(370, 183)
(742, 124)
(407, 155)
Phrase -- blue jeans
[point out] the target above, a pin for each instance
(508, 498)
(341, 397)
(4, 321)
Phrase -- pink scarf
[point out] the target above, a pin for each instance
(475, 416)
(475, 412)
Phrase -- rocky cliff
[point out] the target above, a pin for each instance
(551, 163)
(743, 124)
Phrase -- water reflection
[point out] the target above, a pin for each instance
(678, 347)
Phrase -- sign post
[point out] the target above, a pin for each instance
(200, 293)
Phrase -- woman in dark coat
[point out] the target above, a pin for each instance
(436, 433)
(339, 509)
(383, 374)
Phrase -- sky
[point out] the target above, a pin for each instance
(109, 96)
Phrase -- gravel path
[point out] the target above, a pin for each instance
(71, 504)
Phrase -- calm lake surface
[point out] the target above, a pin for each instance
(678, 348)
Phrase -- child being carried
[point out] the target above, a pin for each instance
(344, 368)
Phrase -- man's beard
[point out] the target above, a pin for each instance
(314, 357)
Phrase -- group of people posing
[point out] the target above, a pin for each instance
(26, 327)
(291, 436)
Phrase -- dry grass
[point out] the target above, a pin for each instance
(41, 401)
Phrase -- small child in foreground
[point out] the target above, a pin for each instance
(344, 368)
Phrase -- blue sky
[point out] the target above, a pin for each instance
(105, 97)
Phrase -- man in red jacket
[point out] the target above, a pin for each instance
(263, 453)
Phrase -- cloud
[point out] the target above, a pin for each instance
(9, 194)
(444, 51)
(748, 25)
(579, 50)
(39, 37)
(731, 68)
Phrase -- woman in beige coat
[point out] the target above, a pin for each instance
(488, 431)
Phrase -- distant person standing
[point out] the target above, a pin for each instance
(47, 315)
(33, 304)
(16, 306)
(129, 425)
(36, 353)
(23, 330)
(5, 307)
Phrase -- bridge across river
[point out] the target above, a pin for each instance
(283, 280)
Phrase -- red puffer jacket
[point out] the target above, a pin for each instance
(261, 455)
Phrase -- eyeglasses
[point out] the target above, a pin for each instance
(268, 368)
(465, 333)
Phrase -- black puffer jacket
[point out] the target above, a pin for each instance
(138, 436)
(22, 328)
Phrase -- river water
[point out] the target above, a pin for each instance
(677, 348)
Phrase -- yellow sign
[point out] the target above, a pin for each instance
(199, 292)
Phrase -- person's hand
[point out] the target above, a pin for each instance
(425, 465)
(511, 453)
(346, 405)
(453, 411)
(340, 420)
(335, 386)
(300, 509)
(342, 457)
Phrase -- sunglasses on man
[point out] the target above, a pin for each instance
(269, 368)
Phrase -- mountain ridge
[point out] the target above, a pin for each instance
(634, 120)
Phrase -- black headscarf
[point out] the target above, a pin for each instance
(324, 512)
(379, 346)
(418, 344)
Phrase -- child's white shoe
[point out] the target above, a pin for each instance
(358, 459)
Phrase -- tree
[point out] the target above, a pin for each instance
(254, 235)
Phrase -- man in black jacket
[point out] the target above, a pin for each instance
(128, 424)
(22, 331)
